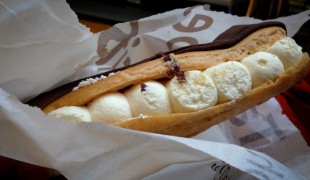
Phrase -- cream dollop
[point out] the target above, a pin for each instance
(195, 93)
(72, 113)
(149, 98)
(232, 80)
(110, 108)
(287, 50)
(263, 66)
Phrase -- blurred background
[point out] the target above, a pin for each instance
(115, 11)
(99, 15)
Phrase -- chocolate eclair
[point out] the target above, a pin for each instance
(185, 91)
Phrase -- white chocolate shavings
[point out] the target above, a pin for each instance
(141, 116)
(173, 57)
(112, 73)
(88, 82)
(172, 63)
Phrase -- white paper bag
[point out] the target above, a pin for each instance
(52, 49)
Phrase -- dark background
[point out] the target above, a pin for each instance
(111, 12)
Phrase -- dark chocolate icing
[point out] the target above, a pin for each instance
(225, 40)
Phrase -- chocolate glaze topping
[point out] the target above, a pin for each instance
(225, 40)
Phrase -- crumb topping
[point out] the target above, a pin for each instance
(174, 68)
(88, 82)
(143, 87)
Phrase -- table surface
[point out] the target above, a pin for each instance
(95, 26)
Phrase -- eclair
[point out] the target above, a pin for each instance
(186, 91)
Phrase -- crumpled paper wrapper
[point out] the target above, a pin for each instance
(43, 45)
(41, 42)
